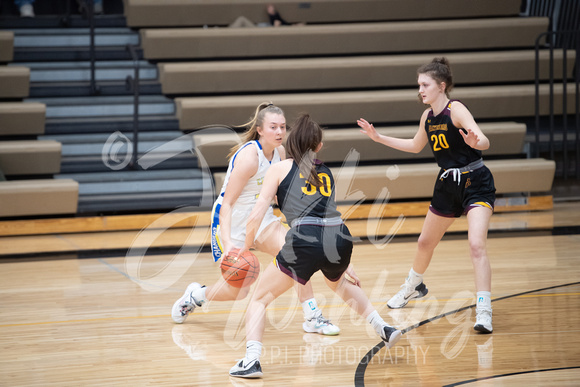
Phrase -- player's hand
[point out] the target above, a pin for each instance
(368, 129)
(230, 250)
(351, 276)
(470, 138)
(242, 250)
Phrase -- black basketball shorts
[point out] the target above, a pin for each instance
(311, 248)
(453, 199)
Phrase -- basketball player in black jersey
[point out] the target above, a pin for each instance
(317, 240)
(464, 184)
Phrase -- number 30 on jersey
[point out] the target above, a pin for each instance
(325, 189)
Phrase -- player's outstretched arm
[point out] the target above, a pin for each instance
(411, 145)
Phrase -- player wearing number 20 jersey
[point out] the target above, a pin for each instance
(448, 145)
(464, 181)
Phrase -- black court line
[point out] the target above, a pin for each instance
(359, 375)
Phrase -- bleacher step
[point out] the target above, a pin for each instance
(73, 37)
(163, 150)
(105, 106)
(81, 70)
(105, 192)
(110, 124)
(73, 44)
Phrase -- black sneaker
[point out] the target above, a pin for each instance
(245, 369)
(390, 336)
(406, 294)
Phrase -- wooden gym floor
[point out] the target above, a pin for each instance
(104, 320)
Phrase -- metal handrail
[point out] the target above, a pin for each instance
(91, 16)
(550, 35)
(133, 84)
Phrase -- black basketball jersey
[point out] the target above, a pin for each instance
(446, 142)
(297, 198)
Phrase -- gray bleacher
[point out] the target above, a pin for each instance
(353, 58)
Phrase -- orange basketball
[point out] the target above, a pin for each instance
(240, 271)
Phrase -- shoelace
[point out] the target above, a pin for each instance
(322, 321)
(486, 314)
(407, 288)
(186, 308)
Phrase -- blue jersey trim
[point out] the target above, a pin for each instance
(245, 145)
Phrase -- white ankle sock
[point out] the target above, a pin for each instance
(377, 322)
(414, 278)
(253, 350)
(483, 300)
(310, 308)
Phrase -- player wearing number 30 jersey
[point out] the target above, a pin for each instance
(312, 213)
(317, 240)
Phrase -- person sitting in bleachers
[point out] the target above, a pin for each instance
(275, 20)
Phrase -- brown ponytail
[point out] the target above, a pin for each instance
(301, 143)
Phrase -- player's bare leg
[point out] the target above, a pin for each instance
(271, 284)
(434, 227)
(356, 298)
(270, 241)
(478, 223)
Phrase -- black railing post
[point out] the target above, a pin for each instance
(91, 16)
(577, 98)
(133, 82)
(537, 97)
(565, 110)
(564, 33)
(551, 75)
(65, 20)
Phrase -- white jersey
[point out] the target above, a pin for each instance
(246, 201)
(251, 190)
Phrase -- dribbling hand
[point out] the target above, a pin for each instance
(242, 250)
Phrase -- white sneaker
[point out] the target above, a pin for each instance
(406, 294)
(247, 369)
(390, 336)
(186, 304)
(483, 320)
(319, 324)
(27, 10)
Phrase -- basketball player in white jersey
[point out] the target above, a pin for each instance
(261, 147)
